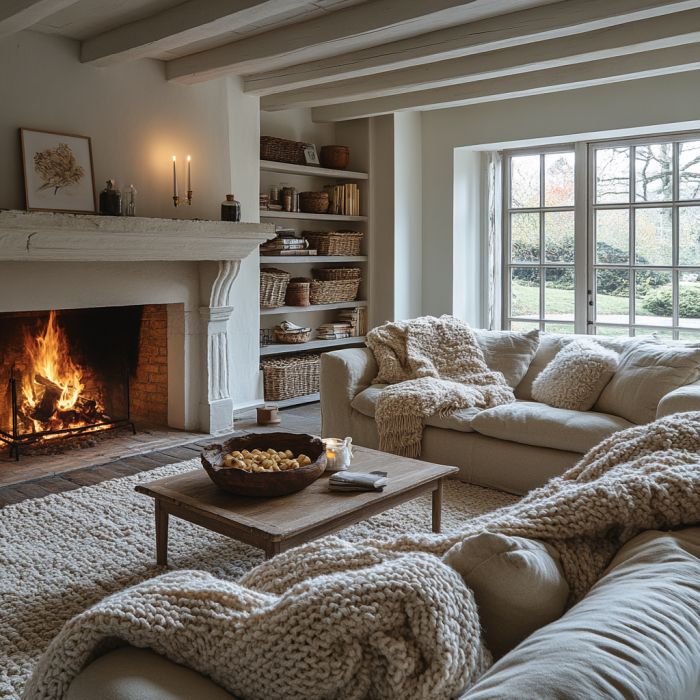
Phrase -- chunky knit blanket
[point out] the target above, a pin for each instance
(387, 618)
(435, 366)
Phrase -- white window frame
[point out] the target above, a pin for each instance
(584, 208)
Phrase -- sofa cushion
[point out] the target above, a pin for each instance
(636, 635)
(518, 585)
(129, 673)
(366, 403)
(576, 376)
(530, 423)
(508, 352)
(646, 373)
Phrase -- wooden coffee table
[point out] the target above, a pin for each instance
(278, 524)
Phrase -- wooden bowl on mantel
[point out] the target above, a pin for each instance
(265, 484)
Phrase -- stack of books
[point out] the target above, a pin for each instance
(286, 243)
(344, 199)
(334, 331)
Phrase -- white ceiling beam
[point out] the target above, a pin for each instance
(17, 15)
(561, 19)
(636, 37)
(355, 27)
(179, 26)
(642, 65)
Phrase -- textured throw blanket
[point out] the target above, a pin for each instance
(435, 366)
(385, 619)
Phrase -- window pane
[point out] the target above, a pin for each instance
(653, 298)
(617, 331)
(525, 292)
(612, 296)
(612, 236)
(559, 236)
(524, 326)
(689, 336)
(689, 170)
(653, 234)
(525, 237)
(559, 293)
(612, 175)
(559, 327)
(689, 299)
(689, 235)
(559, 179)
(525, 181)
(653, 166)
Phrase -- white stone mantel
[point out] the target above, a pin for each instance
(45, 236)
(41, 237)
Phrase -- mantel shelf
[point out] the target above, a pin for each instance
(46, 236)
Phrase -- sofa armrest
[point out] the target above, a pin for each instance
(681, 400)
(344, 374)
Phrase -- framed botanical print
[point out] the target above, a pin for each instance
(57, 172)
(310, 155)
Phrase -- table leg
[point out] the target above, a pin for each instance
(161, 535)
(437, 506)
(272, 548)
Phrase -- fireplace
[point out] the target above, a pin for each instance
(77, 371)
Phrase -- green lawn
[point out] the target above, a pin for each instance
(526, 302)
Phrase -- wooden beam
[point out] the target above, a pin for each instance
(356, 27)
(16, 15)
(636, 37)
(566, 18)
(641, 65)
(179, 26)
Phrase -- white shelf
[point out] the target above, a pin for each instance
(291, 169)
(267, 214)
(287, 348)
(287, 259)
(296, 401)
(314, 307)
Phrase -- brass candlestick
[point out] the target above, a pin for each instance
(177, 201)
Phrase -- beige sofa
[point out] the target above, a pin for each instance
(634, 636)
(519, 446)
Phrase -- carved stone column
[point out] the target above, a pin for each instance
(216, 407)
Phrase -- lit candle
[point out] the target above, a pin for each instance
(189, 173)
(330, 456)
(175, 193)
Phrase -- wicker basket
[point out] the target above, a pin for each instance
(336, 157)
(282, 336)
(333, 291)
(314, 202)
(288, 377)
(335, 242)
(282, 150)
(298, 292)
(337, 273)
(273, 287)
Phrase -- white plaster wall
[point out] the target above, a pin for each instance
(638, 106)
(296, 124)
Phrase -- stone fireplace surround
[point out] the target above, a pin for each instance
(64, 261)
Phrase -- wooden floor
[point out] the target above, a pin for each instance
(301, 419)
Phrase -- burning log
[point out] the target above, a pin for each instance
(49, 401)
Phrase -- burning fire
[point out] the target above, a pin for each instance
(52, 390)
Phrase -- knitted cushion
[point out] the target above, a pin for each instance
(576, 376)
(518, 585)
(508, 352)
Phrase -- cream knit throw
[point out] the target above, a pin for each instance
(385, 619)
(435, 366)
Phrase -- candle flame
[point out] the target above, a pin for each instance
(173, 159)
(189, 158)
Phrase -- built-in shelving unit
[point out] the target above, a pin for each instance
(311, 178)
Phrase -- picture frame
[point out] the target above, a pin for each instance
(310, 155)
(58, 172)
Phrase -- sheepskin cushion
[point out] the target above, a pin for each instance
(518, 585)
(508, 352)
(576, 376)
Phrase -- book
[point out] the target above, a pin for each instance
(358, 481)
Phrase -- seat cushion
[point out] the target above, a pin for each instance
(518, 585)
(636, 635)
(508, 352)
(366, 403)
(646, 373)
(129, 673)
(530, 423)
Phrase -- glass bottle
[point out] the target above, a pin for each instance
(230, 209)
(131, 201)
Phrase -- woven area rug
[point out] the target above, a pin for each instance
(62, 553)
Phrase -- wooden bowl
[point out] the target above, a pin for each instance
(336, 157)
(265, 484)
